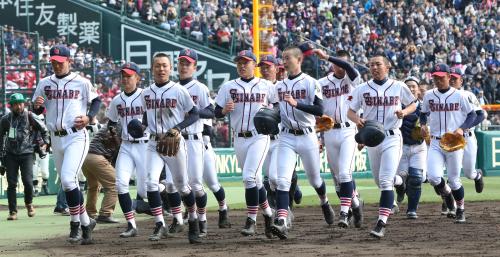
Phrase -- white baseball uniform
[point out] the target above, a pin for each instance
(193, 136)
(339, 142)
(470, 150)
(380, 102)
(303, 89)
(131, 156)
(447, 112)
(65, 99)
(250, 147)
(209, 165)
(166, 107)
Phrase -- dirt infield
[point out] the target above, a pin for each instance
(430, 235)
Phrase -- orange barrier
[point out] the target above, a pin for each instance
(491, 107)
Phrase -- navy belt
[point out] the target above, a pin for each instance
(274, 137)
(390, 132)
(186, 136)
(339, 125)
(297, 132)
(63, 132)
(138, 141)
(245, 134)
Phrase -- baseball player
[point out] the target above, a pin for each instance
(449, 110)
(269, 69)
(210, 175)
(411, 166)
(123, 108)
(381, 99)
(243, 98)
(169, 110)
(67, 96)
(186, 67)
(470, 150)
(339, 141)
(300, 100)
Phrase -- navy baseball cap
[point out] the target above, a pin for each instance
(440, 70)
(246, 54)
(306, 48)
(188, 54)
(456, 72)
(59, 53)
(130, 68)
(281, 65)
(268, 59)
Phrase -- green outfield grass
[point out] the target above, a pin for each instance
(47, 225)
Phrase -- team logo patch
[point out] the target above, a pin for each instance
(56, 51)
(127, 65)
(188, 52)
(349, 98)
(437, 68)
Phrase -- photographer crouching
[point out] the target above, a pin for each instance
(18, 130)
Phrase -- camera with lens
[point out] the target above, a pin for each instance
(41, 151)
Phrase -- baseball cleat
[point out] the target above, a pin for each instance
(223, 219)
(357, 214)
(30, 209)
(268, 220)
(74, 233)
(130, 232)
(328, 213)
(61, 211)
(249, 228)
(400, 192)
(452, 213)
(444, 209)
(87, 232)
(479, 183)
(203, 228)
(175, 227)
(379, 230)
(158, 232)
(289, 218)
(343, 220)
(279, 229)
(411, 215)
(460, 216)
(194, 232)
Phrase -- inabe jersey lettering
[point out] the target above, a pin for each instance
(335, 95)
(248, 99)
(303, 89)
(125, 108)
(65, 99)
(447, 111)
(165, 106)
(201, 98)
(380, 102)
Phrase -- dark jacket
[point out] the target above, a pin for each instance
(102, 145)
(26, 125)
(409, 123)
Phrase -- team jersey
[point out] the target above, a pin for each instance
(248, 99)
(447, 111)
(335, 95)
(201, 98)
(473, 100)
(303, 89)
(125, 108)
(380, 102)
(165, 106)
(65, 99)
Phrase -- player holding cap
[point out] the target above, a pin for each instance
(381, 99)
(243, 98)
(300, 100)
(124, 108)
(67, 96)
(448, 111)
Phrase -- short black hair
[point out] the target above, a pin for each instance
(160, 55)
(342, 53)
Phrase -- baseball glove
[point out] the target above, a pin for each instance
(451, 142)
(168, 143)
(324, 123)
(416, 134)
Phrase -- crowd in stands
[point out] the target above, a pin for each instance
(415, 35)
